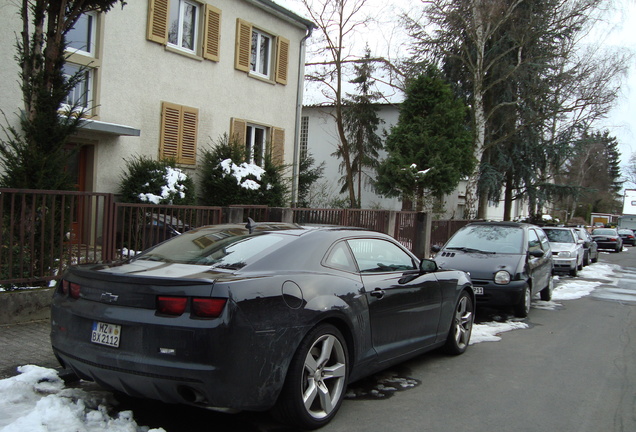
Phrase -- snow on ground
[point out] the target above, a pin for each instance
(38, 401)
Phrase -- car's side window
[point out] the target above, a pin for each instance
(339, 257)
(534, 244)
(545, 243)
(376, 255)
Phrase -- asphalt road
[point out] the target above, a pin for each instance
(572, 370)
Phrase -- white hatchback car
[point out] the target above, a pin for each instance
(567, 250)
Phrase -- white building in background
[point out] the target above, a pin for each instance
(319, 138)
(167, 78)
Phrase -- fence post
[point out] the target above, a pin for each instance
(391, 219)
(422, 243)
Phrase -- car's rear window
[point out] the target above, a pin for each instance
(488, 238)
(224, 249)
(606, 231)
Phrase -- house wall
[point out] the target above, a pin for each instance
(136, 75)
(322, 141)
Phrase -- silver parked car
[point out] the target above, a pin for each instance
(567, 249)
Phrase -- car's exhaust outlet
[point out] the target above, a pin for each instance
(192, 396)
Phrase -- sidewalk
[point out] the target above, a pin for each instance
(25, 343)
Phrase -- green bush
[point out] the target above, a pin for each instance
(156, 182)
(227, 178)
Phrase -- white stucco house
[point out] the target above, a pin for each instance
(319, 138)
(167, 78)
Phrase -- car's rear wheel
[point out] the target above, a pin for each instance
(546, 293)
(522, 309)
(462, 325)
(316, 380)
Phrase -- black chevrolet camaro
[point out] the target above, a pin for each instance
(258, 317)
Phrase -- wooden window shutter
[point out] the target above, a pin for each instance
(158, 21)
(188, 153)
(212, 33)
(238, 129)
(170, 131)
(282, 60)
(243, 45)
(278, 146)
(179, 133)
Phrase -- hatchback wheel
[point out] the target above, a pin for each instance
(462, 325)
(316, 380)
(522, 309)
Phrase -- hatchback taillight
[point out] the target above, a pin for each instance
(171, 305)
(208, 307)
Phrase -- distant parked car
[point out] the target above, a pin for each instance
(567, 249)
(608, 238)
(508, 262)
(627, 236)
(589, 246)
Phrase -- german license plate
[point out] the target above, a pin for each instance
(106, 334)
(478, 290)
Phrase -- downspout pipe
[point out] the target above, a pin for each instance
(299, 108)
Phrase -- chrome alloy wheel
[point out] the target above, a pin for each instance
(463, 322)
(324, 376)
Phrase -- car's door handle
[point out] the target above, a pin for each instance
(379, 293)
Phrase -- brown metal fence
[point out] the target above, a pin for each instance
(371, 219)
(43, 232)
(442, 230)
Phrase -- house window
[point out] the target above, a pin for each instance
(80, 97)
(259, 141)
(81, 38)
(261, 53)
(178, 139)
(255, 143)
(183, 28)
(304, 136)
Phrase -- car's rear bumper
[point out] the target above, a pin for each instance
(204, 366)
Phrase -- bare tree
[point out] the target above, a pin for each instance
(337, 21)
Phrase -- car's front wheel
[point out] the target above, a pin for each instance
(316, 380)
(522, 309)
(462, 325)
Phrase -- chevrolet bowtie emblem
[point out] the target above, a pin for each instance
(109, 297)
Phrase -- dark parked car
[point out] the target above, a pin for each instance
(508, 262)
(589, 246)
(258, 317)
(627, 236)
(608, 238)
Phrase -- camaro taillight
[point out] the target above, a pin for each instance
(70, 288)
(171, 305)
(208, 307)
(201, 307)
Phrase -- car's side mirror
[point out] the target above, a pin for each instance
(536, 253)
(436, 248)
(428, 266)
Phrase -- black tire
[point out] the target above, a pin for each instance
(322, 385)
(546, 293)
(462, 325)
(586, 259)
(574, 272)
(522, 309)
